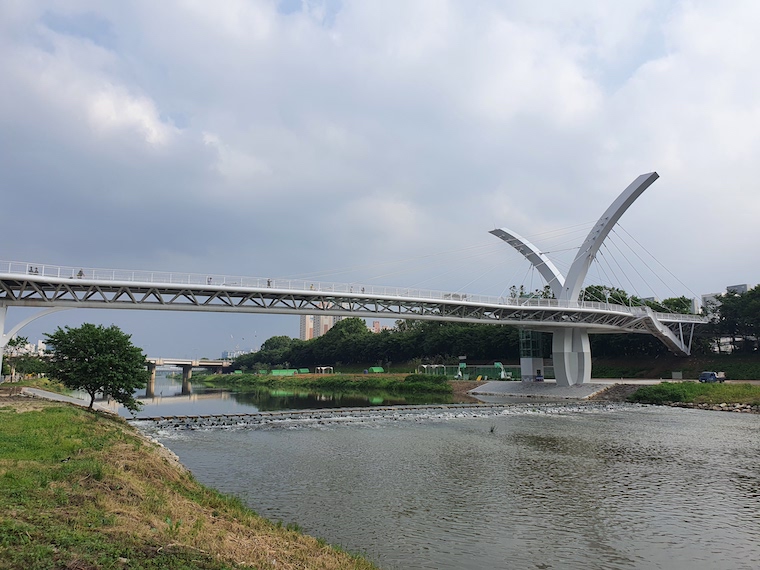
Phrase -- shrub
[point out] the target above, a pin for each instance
(426, 378)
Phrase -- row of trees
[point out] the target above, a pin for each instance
(605, 294)
(613, 295)
(349, 341)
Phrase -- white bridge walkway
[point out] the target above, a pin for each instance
(57, 287)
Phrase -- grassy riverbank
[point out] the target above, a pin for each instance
(85, 491)
(41, 383)
(357, 383)
(697, 393)
(736, 367)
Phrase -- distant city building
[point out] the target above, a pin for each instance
(738, 289)
(306, 330)
(710, 300)
(29, 349)
(233, 354)
(313, 326)
(322, 324)
(377, 327)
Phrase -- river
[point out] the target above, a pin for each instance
(552, 486)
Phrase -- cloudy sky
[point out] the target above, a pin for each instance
(374, 142)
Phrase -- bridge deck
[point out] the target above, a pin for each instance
(54, 287)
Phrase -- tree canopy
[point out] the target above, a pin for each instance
(11, 351)
(738, 317)
(98, 359)
(350, 342)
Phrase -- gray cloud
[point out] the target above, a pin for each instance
(288, 138)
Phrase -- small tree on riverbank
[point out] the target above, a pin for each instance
(98, 359)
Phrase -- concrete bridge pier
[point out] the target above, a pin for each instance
(150, 389)
(187, 373)
(3, 339)
(571, 352)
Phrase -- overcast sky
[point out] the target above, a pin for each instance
(374, 142)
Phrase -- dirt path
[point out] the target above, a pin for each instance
(615, 393)
(460, 389)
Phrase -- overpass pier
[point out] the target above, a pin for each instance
(187, 365)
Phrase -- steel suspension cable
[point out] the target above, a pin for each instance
(614, 258)
(659, 263)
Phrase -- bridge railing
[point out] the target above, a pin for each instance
(681, 317)
(356, 289)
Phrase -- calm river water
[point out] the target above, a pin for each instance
(170, 401)
(536, 487)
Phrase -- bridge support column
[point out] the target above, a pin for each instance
(571, 352)
(150, 389)
(3, 339)
(187, 373)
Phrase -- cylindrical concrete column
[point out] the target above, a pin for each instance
(571, 352)
(187, 373)
(3, 340)
(150, 389)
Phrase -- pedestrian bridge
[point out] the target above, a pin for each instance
(53, 287)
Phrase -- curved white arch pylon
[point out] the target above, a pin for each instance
(571, 350)
(588, 250)
(543, 264)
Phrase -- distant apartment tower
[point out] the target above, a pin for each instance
(306, 331)
(323, 323)
(313, 326)
(377, 327)
(710, 301)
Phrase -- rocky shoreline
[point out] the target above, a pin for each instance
(723, 407)
(620, 393)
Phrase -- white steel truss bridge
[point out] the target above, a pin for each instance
(54, 288)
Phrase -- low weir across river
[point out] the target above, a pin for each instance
(304, 418)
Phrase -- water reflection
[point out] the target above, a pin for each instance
(265, 399)
(169, 398)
